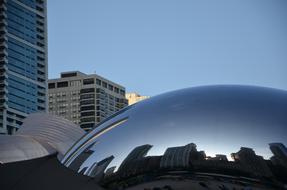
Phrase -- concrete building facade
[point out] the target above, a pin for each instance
(135, 97)
(23, 61)
(85, 99)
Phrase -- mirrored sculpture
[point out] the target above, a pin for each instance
(211, 137)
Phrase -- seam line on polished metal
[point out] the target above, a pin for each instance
(106, 129)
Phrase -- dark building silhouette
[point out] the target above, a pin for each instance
(81, 159)
(280, 154)
(97, 169)
(178, 157)
(110, 171)
(256, 164)
(139, 166)
(136, 153)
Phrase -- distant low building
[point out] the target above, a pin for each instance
(85, 99)
(134, 98)
(218, 157)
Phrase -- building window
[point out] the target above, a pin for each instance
(87, 108)
(65, 75)
(122, 92)
(62, 84)
(105, 85)
(88, 81)
(87, 90)
(111, 87)
(98, 81)
(90, 119)
(52, 85)
(75, 83)
(92, 113)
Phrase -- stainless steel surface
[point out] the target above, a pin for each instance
(19, 148)
(40, 135)
(58, 132)
(190, 134)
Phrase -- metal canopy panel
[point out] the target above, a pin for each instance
(60, 133)
(40, 135)
(18, 148)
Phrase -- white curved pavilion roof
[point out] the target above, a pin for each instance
(16, 148)
(40, 135)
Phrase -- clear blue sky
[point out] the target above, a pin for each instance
(154, 46)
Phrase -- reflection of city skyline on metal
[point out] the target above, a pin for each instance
(184, 157)
(219, 119)
(188, 158)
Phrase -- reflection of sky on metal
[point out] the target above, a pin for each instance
(218, 119)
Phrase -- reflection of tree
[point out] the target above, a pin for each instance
(187, 158)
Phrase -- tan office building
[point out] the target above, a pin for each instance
(85, 99)
(134, 97)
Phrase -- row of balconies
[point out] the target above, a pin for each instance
(41, 59)
(40, 79)
(87, 120)
(2, 4)
(41, 70)
(3, 45)
(3, 30)
(3, 14)
(3, 60)
(41, 96)
(3, 23)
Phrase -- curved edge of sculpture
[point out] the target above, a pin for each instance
(40, 135)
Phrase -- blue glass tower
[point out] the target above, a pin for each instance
(23, 61)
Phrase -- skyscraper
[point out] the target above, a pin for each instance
(23, 61)
(85, 99)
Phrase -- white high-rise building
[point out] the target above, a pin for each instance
(85, 99)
